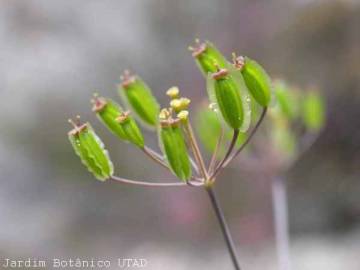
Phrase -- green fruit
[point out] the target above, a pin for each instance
(90, 149)
(139, 98)
(208, 58)
(228, 91)
(257, 81)
(107, 111)
(131, 129)
(173, 145)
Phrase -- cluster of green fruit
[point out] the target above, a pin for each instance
(236, 91)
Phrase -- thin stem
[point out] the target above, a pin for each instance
(227, 155)
(252, 133)
(195, 149)
(154, 156)
(224, 227)
(153, 152)
(151, 184)
(193, 164)
(216, 151)
(159, 159)
(280, 209)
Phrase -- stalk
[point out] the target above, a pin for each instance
(154, 156)
(195, 149)
(224, 163)
(247, 141)
(146, 184)
(213, 199)
(224, 227)
(280, 209)
(227, 155)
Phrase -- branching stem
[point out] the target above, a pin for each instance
(159, 159)
(227, 155)
(154, 156)
(252, 133)
(195, 149)
(207, 180)
(233, 156)
(216, 151)
(152, 184)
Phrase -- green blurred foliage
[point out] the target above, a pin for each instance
(287, 99)
(313, 110)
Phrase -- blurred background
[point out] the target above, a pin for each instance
(55, 54)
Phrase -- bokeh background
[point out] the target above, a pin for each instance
(55, 54)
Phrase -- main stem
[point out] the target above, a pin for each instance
(224, 227)
(208, 186)
(280, 208)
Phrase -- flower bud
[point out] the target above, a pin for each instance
(208, 58)
(90, 149)
(179, 104)
(228, 91)
(313, 111)
(107, 111)
(183, 116)
(131, 129)
(173, 145)
(173, 92)
(164, 114)
(139, 97)
(256, 79)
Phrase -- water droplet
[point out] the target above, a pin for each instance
(213, 106)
